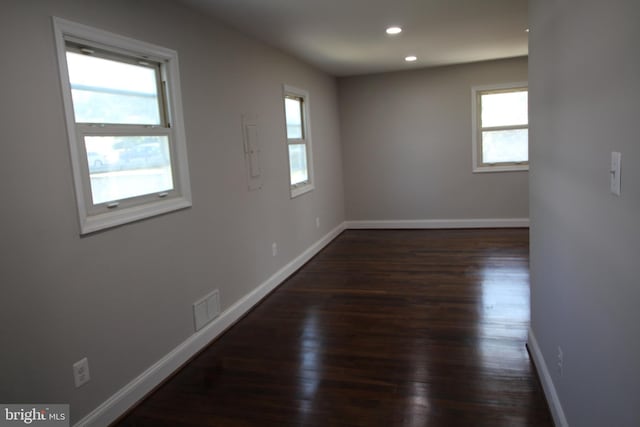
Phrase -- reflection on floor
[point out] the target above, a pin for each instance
(382, 328)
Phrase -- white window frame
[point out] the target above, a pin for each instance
(476, 123)
(101, 216)
(302, 187)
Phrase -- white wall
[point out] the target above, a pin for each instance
(407, 146)
(123, 297)
(584, 71)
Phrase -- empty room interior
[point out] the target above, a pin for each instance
(363, 213)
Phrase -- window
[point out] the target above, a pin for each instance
(500, 128)
(296, 104)
(124, 119)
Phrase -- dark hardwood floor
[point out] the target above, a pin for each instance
(382, 328)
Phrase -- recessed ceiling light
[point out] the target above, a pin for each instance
(394, 30)
(526, 31)
(411, 58)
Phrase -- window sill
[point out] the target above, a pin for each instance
(93, 223)
(299, 191)
(510, 168)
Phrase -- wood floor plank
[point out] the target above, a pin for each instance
(381, 328)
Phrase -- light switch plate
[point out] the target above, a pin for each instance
(251, 143)
(616, 159)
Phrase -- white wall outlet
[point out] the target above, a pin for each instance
(274, 249)
(317, 222)
(81, 372)
(560, 361)
(616, 160)
(206, 309)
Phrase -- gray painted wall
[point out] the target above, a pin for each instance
(123, 297)
(406, 140)
(585, 242)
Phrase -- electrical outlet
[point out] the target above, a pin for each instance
(274, 249)
(317, 222)
(81, 372)
(560, 360)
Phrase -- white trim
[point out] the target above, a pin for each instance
(440, 223)
(98, 222)
(508, 168)
(475, 165)
(555, 406)
(128, 210)
(502, 86)
(300, 189)
(139, 387)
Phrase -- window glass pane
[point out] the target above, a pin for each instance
(128, 166)
(107, 91)
(293, 113)
(504, 109)
(505, 146)
(298, 163)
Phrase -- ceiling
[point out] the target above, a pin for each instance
(347, 37)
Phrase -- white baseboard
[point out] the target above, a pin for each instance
(441, 223)
(559, 418)
(130, 394)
